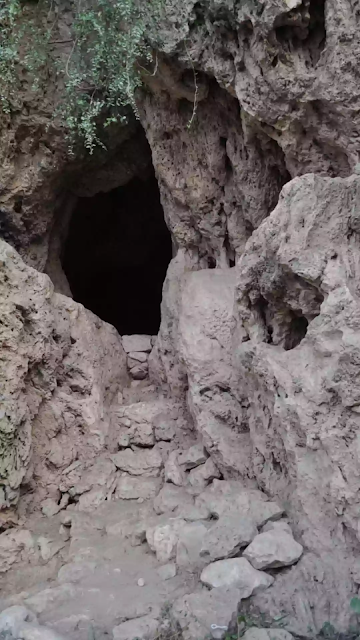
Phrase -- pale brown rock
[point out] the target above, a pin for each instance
(238, 573)
(139, 462)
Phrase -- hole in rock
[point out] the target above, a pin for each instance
(304, 27)
(296, 332)
(116, 255)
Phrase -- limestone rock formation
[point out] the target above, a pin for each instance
(61, 367)
(246, 403)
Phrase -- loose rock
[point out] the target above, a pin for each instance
(227, 536)
(193, 457)
(136, 343)
(238, 573)
(273, 549)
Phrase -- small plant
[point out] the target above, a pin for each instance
(248, 620)
(355, 604)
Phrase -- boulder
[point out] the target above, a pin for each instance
(238, 573)
(227, 536)
(272, 549)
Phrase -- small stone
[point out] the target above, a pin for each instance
(136, 343)
(167, 571)
(141, 582)
(237, 573)
(273, 549)
(193, 457)
(227, 536)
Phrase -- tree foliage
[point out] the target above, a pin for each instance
(101, 70)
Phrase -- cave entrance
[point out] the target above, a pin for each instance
(116, 255)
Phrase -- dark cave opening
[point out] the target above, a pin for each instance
(116, 255)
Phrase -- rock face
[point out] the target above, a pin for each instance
(60, 368)
(252, 116)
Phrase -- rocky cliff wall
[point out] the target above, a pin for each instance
(252, 117)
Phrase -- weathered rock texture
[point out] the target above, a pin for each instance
(252, 117)
(61, 367)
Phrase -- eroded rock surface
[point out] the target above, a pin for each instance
(257, 353)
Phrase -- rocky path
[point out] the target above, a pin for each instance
(148, 538)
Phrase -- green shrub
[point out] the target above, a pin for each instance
(101, 72)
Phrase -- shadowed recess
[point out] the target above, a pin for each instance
(116, 255)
